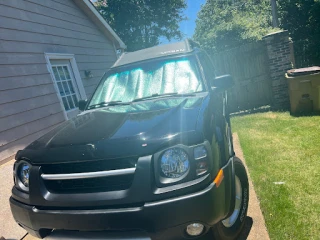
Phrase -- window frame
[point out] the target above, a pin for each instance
(204, 59)
(64, 85)
(75, 72)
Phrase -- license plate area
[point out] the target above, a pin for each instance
(76, 235)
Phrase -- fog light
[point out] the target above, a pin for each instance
(195, 229)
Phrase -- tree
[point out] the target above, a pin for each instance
(302, 19)
(141, 23)
(226, 24)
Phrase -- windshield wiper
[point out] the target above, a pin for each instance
(157, 95)
(111, 103)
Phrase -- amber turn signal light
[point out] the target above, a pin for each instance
(219, 178)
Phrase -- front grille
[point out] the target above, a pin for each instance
(89, 185)
(89, 166)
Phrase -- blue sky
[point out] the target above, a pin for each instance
(188, 26)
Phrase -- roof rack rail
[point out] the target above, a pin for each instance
(182, 47)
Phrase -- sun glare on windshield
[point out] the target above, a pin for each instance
(170, 76)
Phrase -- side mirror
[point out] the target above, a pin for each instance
(82, 104)
(223, 82)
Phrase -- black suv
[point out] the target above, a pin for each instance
(149, 157)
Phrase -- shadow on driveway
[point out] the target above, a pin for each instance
(9, 229)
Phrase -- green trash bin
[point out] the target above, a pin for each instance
(304, 89)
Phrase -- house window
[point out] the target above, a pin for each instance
(66, 86)
(67, 81)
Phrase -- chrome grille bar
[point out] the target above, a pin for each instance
(88, 174)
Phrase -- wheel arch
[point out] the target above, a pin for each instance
(229, 176)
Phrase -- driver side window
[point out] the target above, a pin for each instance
(207, 67)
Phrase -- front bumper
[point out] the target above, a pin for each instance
(166, 219)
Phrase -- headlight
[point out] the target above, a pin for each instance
(174, 163)
(200, 155)
(22, 175)
(199, 152)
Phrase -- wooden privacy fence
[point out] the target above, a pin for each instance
(249, 67)
(307, 52)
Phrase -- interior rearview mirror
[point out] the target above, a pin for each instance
(82, 104)
(223, 82)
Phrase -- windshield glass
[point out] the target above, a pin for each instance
(157, 77)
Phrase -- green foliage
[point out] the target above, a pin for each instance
(140, 23)
(226, 24)
(302, 19)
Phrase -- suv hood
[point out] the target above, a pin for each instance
(120, 131)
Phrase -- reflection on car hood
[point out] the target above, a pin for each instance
(138, 129)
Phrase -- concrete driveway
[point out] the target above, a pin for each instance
(8, 227)
(254, 226)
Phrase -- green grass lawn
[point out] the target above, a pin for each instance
(281, 148)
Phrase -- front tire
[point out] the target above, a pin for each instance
(230, 228)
